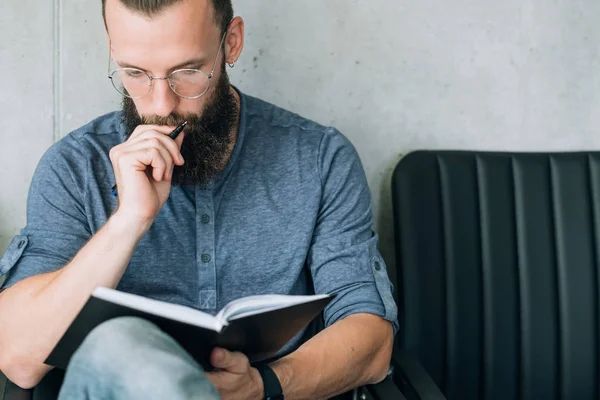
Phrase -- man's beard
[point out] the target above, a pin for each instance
(208, 136)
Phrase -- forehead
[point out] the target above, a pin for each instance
(186, 26)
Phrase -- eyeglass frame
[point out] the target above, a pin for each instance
(167, 78)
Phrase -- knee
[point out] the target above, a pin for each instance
(111, 344)
(137, 359)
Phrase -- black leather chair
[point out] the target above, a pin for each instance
(497, 264)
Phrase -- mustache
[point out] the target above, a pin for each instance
(171, 120)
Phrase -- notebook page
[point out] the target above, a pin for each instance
(262, 303)
(172, 311)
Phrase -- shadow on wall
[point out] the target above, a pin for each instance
(5, 233)
(385, 220)
(5, 238)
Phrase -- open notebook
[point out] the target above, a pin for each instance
(258, 326)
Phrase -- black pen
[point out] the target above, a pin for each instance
(173, 135)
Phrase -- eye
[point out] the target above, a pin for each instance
(134, 73)
(189, 71)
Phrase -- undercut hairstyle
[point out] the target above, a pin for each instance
(222, 9)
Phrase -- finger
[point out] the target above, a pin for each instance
(172, 147)
(140, 129)
(179, 139)
(159, 164)
(219, 380)
(155, 143)
(179, 143)
(234, 362)
(143, 158)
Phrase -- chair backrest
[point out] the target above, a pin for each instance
(498, 281)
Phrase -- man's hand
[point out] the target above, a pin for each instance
(235, 378)
(143, 168)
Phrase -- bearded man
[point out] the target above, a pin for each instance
(249, 199)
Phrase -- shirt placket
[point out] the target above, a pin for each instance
(205, 247)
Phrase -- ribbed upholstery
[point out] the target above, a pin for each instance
(498, 271)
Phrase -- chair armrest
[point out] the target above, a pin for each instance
(385, 390)
(10, 391)
(412, 379)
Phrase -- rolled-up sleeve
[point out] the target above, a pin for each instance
(344, 258)
(57, 226)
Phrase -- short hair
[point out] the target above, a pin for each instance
(223, 9)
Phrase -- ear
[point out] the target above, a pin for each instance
(234, 42)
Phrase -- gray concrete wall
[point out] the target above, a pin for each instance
(26, 103)
(393, 75)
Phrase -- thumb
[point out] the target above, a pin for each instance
(233, 362)
(179, 139)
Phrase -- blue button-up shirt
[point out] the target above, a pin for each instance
(290, 214)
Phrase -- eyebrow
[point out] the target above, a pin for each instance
(193, 63)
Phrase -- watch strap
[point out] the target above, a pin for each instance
(271, 383)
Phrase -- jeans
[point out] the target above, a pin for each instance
(131, 358)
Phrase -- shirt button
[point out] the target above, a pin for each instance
(377, 266)
(205, 258)
(205, 219)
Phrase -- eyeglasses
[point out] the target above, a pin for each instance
(187, 83)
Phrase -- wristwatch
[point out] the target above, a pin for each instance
(271, 383)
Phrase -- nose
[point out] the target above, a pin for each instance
(164, 100)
